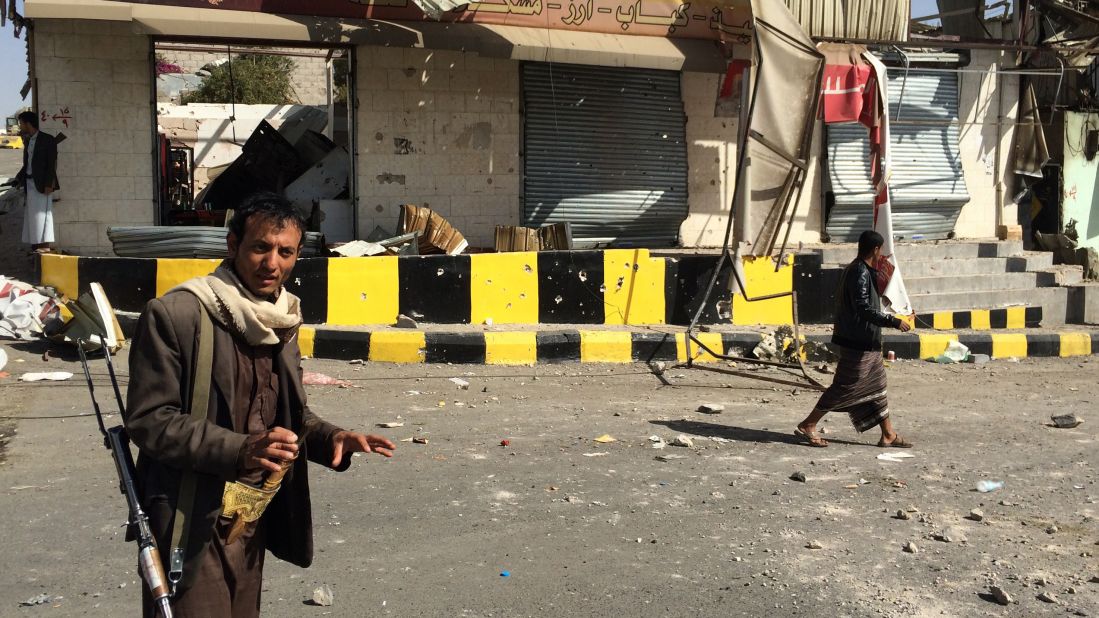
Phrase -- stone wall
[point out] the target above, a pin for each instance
(438, 129)
(93, 85)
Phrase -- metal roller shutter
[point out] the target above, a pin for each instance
(927, 187)
(605, 149)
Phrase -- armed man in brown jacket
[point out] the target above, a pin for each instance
(250, 430)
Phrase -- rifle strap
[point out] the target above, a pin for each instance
(200, 401)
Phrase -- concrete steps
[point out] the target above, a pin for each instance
(977, 275)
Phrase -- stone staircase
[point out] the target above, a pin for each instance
(961, 276)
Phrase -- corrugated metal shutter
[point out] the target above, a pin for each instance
(883, 20)
(605, 149)
(927, 188)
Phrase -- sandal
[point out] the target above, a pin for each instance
(811, 438)
(898, 442)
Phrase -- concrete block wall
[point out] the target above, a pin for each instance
(438, 129)
(93, 84)
(309, 77)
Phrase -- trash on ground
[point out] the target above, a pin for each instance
(505, 573)
(50, 376)
(669, 457)
(979, 359)
(600, 454)
(658, 367)
(711, 408)
(460, 383)
(313, 378)
(985, 487)
(505, 443)
(25, 310)
(657, 442)
(1066, 421)
(359, 248)
(392, 425)
(956, 352)
(185, 241)
(682, 440)
(323, 595)
(419, 440)
(40, 599)
(895, 457)
(606, 438)
(3, 358)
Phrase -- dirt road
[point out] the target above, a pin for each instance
(605, 529)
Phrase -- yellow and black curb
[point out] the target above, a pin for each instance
(620, 346)
(1010, 318)
(608, 287)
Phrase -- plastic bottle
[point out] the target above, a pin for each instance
(987, 486)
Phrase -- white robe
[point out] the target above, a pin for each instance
(38, 222)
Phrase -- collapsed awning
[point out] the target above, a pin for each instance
(701, 45)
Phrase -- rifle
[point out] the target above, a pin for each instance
(117, 442)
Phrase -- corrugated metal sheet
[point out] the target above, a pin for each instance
(185, 241)
(605, 149)
(927, 188)
(885, 20)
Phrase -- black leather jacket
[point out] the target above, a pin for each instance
(859, 318)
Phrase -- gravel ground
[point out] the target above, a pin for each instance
(606, 529)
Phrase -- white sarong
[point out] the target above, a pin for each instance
(38, 222)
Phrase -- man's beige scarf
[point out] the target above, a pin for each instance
(259, 321)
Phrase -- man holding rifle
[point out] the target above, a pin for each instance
(217, 410)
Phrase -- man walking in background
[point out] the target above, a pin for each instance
(39, 178)
(859, 387)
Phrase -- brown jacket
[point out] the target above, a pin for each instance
(162, 365)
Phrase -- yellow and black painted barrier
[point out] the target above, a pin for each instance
(609, 287)
(629, 346)
(982, 319)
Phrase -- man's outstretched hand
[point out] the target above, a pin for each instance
(350, 442)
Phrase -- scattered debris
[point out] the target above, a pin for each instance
(985, 487)
(1066, 421)
(599, 454)
(555, 237)
(955, 352)
(815, 545)
(323, 595)
(437, 235)
(895, 457)
(910, 548)
(505, 573)
(903, 514)
(668, 457)
(418, 440)
(976, 515)
(1001, 595)
(25, 311)
(460, 383)
(798, 476)
(1052, 530)
(711, 408)
(682, 440)
(392, 425)
(953, 534)
(40, 599)
(1047, 597)
(51, 376)
(403, 321)
(606, 438)
(505, 443)
(657, 442)
(979, 359)
(312, 378)
(658, 367)
(825, 368)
